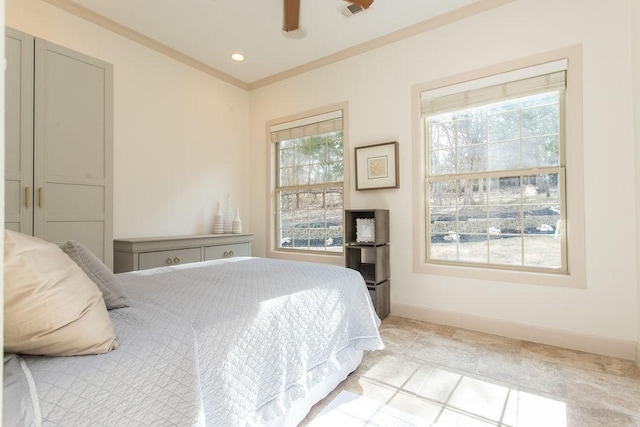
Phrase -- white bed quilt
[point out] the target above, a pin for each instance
(266, 329)
(230, 343)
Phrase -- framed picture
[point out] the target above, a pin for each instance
(377, 166)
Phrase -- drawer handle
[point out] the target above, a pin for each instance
(176, 260)
(230, 253)
(168, 261)
(227, 254)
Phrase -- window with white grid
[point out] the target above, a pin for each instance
(495, 171)
(309, 184)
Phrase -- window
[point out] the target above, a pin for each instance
(495, 171)
(309, 176)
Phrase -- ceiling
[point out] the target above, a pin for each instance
(209, 31)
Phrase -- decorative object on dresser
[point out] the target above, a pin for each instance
(366, 234)
(228, 216)
(218, 221)
(58, 144)
(236, 227)
(151, 252)
(377, 166)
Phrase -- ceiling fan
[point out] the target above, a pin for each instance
(292, 12)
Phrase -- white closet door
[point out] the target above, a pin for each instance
(18, 134)
(73, 149)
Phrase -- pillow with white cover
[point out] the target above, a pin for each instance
(112, 291)
(51, 307)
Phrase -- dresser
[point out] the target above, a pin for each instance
(151, 252)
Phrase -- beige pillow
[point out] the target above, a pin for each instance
(51, 307)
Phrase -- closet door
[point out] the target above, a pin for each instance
(73, 149)
(18, 134)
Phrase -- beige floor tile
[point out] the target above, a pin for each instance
(418, 326)
(594, 416)
(435, 384)
(494, 342)
(450, 418)
(563, 356)
(627, 368)
(444, 351)
(526, 409)
(524, 372)
(391, 370)
(600, 390)
(396, 339)
(480, 398)
(415, 406)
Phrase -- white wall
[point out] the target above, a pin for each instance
(180, 136)
(377, 86)
(635, 22)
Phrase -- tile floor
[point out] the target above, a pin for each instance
(456, 377)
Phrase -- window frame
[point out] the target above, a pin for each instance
(570, 123)
(273, 251)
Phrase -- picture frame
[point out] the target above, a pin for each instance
(377, 166)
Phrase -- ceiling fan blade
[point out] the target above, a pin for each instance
(291, 15)
(362, 3)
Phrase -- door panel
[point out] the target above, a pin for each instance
(18, 131)
(73, 148)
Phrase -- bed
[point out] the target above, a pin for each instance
(243, 341)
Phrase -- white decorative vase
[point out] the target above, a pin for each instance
(228, 216)
(236, 226)
(218, 221)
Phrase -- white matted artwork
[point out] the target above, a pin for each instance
(377, 166)
(365, 230)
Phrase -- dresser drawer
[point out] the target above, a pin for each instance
(226, 251)
(148, 260)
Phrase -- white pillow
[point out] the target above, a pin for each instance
(51, 307)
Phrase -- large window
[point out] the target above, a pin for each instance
(309, 170)
(495, 171)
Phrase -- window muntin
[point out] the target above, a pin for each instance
(495, 177)
(309, 190)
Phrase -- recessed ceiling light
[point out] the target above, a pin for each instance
(237, 57)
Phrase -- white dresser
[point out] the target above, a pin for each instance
(152, 252)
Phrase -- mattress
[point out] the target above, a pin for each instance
(222, 343)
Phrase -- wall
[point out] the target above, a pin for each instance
(378, 85)
(180, 136)
(635, 24)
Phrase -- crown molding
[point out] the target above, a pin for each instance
(108, 24)
(464, 12)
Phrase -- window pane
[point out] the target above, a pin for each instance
(502, 127)
(506, 219)
(443, 193)
(444, 247)
(504, 190)
(544, 151)
(504, 155)
(472, 219)
(541, 189)
(542, 251)
(540, 219)
(540, 121)
(287, 177)
(505, 250)
(318, 174)
(472, 158)
(473, 248)
(335, 172)
(442, 136)
(443, 162)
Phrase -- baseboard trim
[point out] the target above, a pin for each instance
(622, 349)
